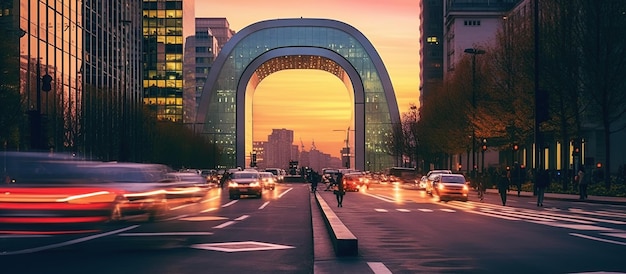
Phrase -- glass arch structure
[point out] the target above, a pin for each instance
(260, 49)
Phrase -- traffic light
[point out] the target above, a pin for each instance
(46, 83)
(576, 143)
(484, 147)
(515, 147)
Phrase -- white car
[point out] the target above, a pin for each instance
(245, 183)
(268, 179)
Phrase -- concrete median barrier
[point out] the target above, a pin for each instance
(344, 242)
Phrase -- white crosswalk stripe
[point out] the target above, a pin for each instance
(573, 218)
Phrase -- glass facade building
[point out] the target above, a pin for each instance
(163, 25)
(73, 65)
(269, 46)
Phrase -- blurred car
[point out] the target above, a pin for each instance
(450, 187)
(352, 181)
(147, 188)
(245, 183)
(211, 176)
(268, 180)
(50, 190)
(187, 184)
(278, 173)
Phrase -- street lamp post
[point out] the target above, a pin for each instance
(474, 52)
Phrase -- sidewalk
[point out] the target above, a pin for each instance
(569, 197)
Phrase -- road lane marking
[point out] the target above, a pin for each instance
(575, 226)
(381, 210)
(166, 234)
(284, 192)
(223, 225)
(489, 214)
(380, 198)
(403, 210)
(556, 217)
(378, 268)
(208, 210)
(599, 213)
(230, 203)
(242, 217)
(447, 210)
(597, 239)
(425, 210)
(589, 219)
(264, 205)
(520, 216)
(203, 218)
(75, 241)
(240, 246)
(617, 235)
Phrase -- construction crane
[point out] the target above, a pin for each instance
(301, 144)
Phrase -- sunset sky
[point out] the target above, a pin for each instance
(315, 104)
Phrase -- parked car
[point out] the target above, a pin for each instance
(245, 183)
(450, 187)
(268, 180)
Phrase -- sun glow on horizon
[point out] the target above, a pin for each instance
(312, 103)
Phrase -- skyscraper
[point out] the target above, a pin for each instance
(74, 67)
(165, 24)
(431, 52)
(279, 149)
(201, 50)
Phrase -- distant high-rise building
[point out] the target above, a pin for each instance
(279, 149)
(165, 24)
(431, 52)
(201, 50)
(220, 29)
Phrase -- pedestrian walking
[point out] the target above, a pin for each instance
(315, 178)
(503, 187)
(339, 191)
(480, 186)
(542, 181)
(583, 182)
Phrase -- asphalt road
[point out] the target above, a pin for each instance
(218, 235)
(410, 232)
(399, 231)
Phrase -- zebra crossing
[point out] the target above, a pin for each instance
(597, 225)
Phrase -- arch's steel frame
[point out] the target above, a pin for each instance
(224, 102)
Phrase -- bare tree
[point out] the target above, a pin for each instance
(603, 68)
